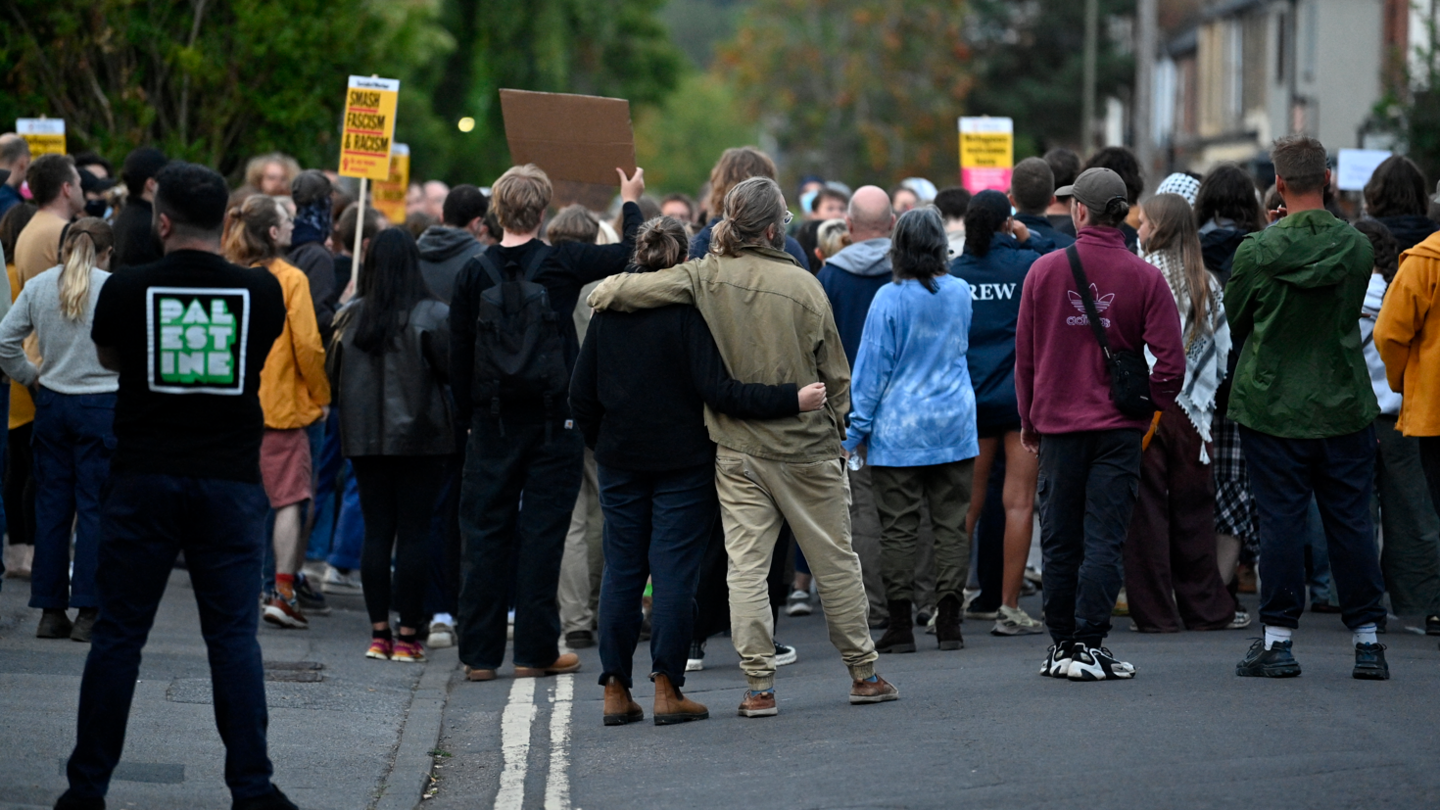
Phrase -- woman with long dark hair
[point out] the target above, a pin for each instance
(1171, 575)
(638, 394)
(1398, 195)
(994, 263)
(389, 361)
(913, 410)
(74, 423)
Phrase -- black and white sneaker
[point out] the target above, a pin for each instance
(785, 655)
(696, 662)
(1097, 664)
(1057, 660)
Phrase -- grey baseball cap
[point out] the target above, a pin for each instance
(1095, 187)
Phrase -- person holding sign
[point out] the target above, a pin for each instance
(521, 433)
(185, 477)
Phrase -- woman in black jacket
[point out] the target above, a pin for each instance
(388, 364)
(638, 394)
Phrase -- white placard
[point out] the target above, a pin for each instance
(1354, 167)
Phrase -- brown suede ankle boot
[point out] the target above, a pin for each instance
(947, 624)
(900, 636)
(672, 707)
(619, 707)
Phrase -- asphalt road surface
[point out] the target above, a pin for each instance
(973, 728)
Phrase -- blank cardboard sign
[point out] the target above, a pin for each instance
(577, 138)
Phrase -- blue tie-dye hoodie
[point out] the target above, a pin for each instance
(911, 399)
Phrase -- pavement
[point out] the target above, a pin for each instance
(974, 728)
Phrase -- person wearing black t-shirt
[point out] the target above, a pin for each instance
(188, 335)
(516, 443)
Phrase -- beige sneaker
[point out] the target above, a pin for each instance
(1015, 622)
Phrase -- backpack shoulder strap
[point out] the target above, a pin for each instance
(488, 265)
(537, 260)
(1084, 284)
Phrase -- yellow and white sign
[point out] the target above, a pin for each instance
(388, 195)
(46, 136)
(369, 127)
(987, 153)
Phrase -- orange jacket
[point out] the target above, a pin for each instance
(293, 385)
(1407, 335)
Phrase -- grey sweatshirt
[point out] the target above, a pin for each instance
(71, 365)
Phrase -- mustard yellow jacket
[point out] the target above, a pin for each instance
(1407, 335)
(293, 385)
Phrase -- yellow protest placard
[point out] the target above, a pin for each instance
(46, 136)
(388, 195)
(369, 127)
(987, 153)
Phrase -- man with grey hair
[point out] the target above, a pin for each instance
(14, 159)
(772, 324)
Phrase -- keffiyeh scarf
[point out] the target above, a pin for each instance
(1206, 349)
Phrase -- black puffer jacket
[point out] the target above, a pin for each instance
(395, 405)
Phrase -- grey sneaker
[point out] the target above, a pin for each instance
(1015, 622)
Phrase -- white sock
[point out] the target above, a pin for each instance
(443, 618)
(1274, 635)
(1365, 634)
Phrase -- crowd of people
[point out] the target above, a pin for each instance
(515, 428)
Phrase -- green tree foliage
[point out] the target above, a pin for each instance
(213, 81)
(678, 142)
(1028, 66)
(865, 90)
(598, 47)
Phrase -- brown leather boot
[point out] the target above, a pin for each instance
(900, 636)
(672, 707)
(619, 707)
(947, 624)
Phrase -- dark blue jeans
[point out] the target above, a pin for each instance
(657, 525)
(1088, 484)
(146, 520)
(500, 464)
(73, 441)
(1339, 473)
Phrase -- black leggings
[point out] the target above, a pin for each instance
(19, 490)
(397, 499)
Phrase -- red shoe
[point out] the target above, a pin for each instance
(380, 649)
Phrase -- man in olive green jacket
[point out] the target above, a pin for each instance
(1303, 399)
(773, 324)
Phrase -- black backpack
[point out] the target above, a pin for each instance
(519, 348)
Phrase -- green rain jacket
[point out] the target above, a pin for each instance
(1294, 303)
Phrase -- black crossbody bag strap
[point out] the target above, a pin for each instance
(1084, 284)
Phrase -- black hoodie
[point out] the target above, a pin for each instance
(443, 251)
(1409, 230)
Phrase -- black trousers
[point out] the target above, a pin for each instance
(544, 463)
(1338, 473)
(397, 499)
(1088, 484)
(146, 520)
(19, 489)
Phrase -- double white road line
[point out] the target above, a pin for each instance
(517, 725)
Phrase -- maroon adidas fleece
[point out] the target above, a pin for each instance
(1060, 377)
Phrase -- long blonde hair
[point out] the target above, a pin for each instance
(86, 241)
(1172, 228)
